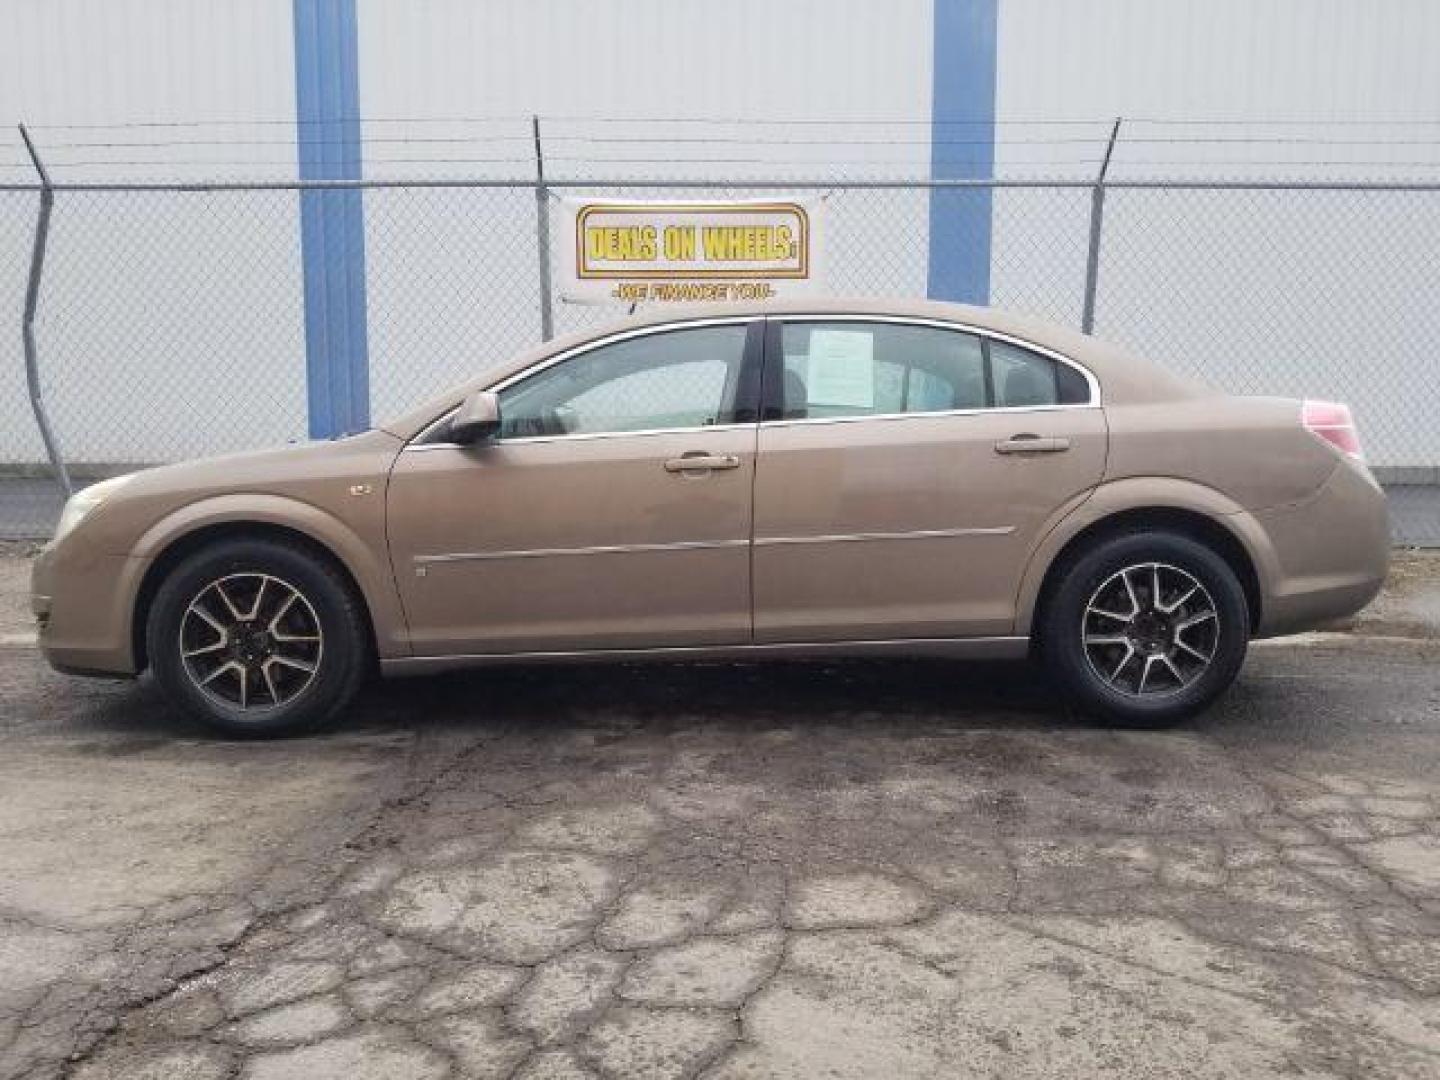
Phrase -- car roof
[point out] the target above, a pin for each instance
(1039, 331)
(1122, 375)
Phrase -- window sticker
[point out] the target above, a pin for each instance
(842, 368)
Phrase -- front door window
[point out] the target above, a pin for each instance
(654, 382)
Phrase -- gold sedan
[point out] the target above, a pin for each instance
(832, 478)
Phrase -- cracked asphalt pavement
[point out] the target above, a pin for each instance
(891, 869)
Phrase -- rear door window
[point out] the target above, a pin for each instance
(856, 369)
(872, 369)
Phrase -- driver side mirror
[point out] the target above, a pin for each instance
(478, 418)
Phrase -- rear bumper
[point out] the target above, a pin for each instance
(82, 602)
(1328, 554)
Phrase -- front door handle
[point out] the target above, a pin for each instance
(699, 461)
(1031, 444)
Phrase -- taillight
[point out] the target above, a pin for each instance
(1331, 421)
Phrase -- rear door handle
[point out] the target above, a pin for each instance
(699, 461)
(1031, 444)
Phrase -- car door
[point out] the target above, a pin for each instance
(906, 469)
(612, 511)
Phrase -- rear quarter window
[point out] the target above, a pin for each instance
(1025, 379)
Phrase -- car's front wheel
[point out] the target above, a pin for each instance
(257, 637)
(1146, 628)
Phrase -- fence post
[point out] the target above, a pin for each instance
(1097, 219)
(542, 235)
(27, 322)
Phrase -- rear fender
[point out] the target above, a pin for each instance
(1142, 493)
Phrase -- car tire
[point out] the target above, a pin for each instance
(258, 637)
(1122, 656)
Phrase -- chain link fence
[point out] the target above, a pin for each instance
(171, 320)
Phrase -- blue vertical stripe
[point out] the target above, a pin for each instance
(332, 222)
(962, 137)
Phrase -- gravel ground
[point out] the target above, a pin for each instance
(843, 870)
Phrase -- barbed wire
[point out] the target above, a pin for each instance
(1030, 147)
(735, 140)
(745, 121)
(290, 163)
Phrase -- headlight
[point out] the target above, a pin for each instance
(79, 505)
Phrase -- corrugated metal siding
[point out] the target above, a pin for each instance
(157, 299)
(1293, 293)
(152, 303)
(589, 69)
(1219, 59)
(826, 59)
(125, 61)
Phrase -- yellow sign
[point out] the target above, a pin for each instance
(632, 252)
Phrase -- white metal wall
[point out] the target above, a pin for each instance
(138, 331)
(759, 73)
(153, 305)
(1322, 60)
(121, 61)
(1286, 293)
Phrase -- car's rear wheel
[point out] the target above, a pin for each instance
(257, 637)
(1146, 628)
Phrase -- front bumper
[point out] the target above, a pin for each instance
(1329, 553)
(83, 603)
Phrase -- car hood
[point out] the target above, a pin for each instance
(318, 474)
(272, 470)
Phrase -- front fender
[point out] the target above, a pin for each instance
(1143, 493)
(366, 562)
